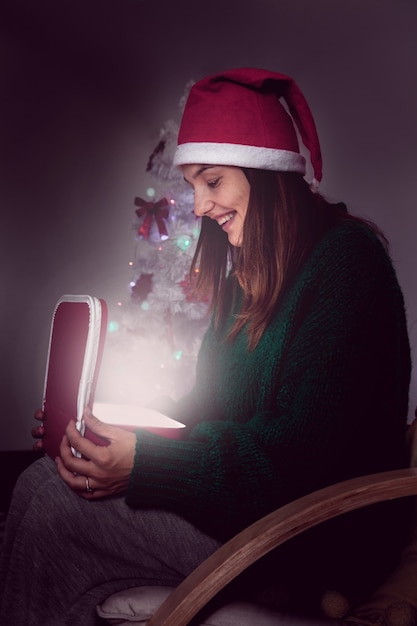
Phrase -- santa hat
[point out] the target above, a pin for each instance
(236, 118)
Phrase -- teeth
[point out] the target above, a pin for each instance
(224, 219)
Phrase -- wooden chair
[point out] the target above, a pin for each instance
(180, 605)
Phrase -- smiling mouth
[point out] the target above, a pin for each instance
(225, 218)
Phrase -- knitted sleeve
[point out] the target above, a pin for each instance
(305, 409)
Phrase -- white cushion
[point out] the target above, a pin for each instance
(137, 605)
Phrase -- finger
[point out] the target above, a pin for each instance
(39, 415)
(96, 494)
(38, 432)
(83, 445)
(37, 446)
(79, 484)
(73, 464)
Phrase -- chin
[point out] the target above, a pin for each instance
(235, 241)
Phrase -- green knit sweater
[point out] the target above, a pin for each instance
(322, 398)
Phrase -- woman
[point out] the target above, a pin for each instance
(302, 381)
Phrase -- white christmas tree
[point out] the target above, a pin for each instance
(152, 348)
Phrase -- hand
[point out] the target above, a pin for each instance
(106, 469)
(38, 431)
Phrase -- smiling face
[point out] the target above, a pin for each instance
(221, 192)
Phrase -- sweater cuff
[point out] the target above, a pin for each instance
(164, 471)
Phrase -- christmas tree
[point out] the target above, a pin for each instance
(152, 348)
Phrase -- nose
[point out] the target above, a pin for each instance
(202, 204)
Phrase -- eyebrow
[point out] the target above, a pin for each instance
(200, 170)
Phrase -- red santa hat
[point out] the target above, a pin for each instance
(236, 118)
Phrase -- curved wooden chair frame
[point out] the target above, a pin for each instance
(271, 531)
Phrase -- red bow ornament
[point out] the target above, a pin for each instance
(152, 210)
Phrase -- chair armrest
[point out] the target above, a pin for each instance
(271, 531)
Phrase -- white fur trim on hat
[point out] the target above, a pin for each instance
(239, 155)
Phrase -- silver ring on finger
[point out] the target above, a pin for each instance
(87, 486)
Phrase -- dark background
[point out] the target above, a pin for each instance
(87, 84)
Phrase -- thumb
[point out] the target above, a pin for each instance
(95, 425)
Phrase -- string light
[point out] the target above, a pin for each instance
(184, 242)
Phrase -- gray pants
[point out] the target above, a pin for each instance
(62, 554)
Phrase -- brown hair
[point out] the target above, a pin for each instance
(284, 221)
